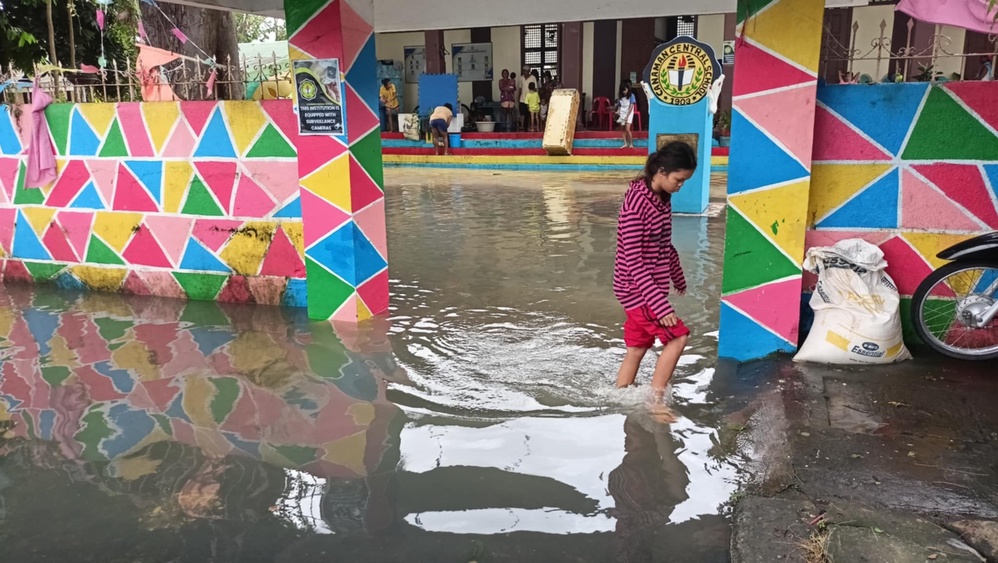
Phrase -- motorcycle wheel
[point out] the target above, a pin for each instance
(942, 301)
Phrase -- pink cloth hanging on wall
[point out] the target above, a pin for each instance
(968, 14)
(41, 153)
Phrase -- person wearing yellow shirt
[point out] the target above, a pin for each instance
(534, 105)
(390, 101)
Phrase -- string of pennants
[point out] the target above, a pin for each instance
(175, 30)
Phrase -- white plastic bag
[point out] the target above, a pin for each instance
(857, 317)
(409, 126)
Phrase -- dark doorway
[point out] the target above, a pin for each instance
(976, 44)
(835, 44)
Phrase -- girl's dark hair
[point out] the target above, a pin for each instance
(673, 157)
(386, 82)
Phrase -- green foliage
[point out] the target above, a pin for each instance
(251, 28)
(24, 32)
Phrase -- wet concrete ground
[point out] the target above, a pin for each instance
(478, 423)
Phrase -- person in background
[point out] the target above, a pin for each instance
(523, 87)
(390, 101)
(534, 105)
(548, 88)
(987, 70)
(507, 99)
(625, 115)
(439, 123)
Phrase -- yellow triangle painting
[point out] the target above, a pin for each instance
(175, 181)
(160, 118)
(108, 280)
(792, 29)
(930, 244)
(331, 182)
(834, 184)
(39, 218)
(245, 120)
(116, 228)
(779, 214)
(99, 116)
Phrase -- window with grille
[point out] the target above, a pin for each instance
(687, 25)
(541, 47)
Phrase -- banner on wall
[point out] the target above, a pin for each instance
(320, 97)
(415, 64)
(472, 62)
(729, 52)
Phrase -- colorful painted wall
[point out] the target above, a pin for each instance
(190, 199)
(769, 175)
(912, 168)
(341, 177)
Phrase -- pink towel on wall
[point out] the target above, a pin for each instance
(968, 14)
(41, 153)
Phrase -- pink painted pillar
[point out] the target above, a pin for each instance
(342, 184)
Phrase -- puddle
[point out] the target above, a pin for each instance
(480, 422)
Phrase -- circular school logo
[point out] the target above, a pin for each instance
(308, 89)
(682, 71)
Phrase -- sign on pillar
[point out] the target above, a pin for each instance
(681, 83)
(331, 45)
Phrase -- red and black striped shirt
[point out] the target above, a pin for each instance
(646, 260)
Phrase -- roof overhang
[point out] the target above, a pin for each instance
(419, 15)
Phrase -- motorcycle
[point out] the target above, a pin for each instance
(954, 310)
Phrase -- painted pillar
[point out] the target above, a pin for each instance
(677, 82)
(769, 175)
(341, 178)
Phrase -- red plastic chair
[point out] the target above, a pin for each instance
(602, 109)
(638, 125)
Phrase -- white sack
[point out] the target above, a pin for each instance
(856, 305)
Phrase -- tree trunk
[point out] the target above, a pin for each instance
(210, 33)
(72, 34)
(51, 25)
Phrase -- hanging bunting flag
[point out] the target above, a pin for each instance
(142, 32)
(150, 2)
(179, 35)
(102, 62)
(105, 2)
(210, 85)
(89, 69)
(100, 19)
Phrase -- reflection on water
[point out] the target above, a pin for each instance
(479, 423)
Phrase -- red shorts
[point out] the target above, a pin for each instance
(642, 328)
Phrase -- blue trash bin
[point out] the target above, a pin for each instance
(455, 140)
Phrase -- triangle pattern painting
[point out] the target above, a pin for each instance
(770, 164)
(883, 195)
(747, 336)
(769, 111)
(834, 140)
(199, 258)
(925, 208)
(779, 73)
(964, 184)
(853, 104)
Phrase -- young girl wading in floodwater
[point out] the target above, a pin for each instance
(647, 264)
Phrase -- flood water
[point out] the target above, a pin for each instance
(478, 423)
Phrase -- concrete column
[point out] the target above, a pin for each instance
(483, 88)
(341, 178)
(769, 178)
(571, 55)
(435, 61)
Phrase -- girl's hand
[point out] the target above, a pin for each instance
(669, 320)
